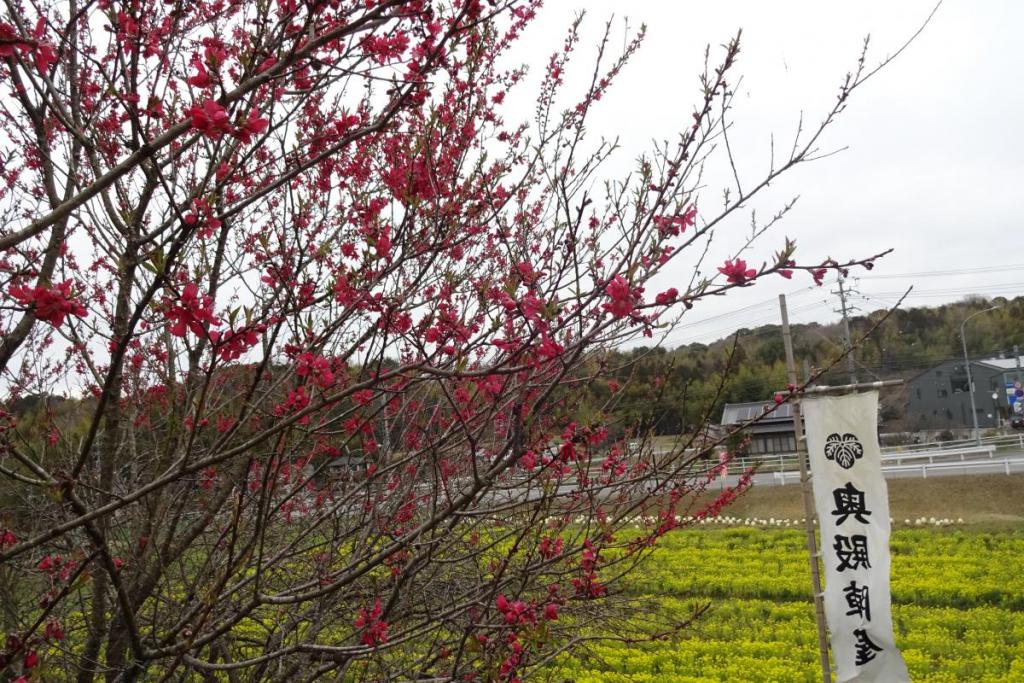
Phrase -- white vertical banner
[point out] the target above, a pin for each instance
(852, 503)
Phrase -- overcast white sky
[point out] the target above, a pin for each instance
(936, 154)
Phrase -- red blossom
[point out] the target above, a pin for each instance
(737, 271)
(10, 41)
(154, 108)
(191, 312)
(316, 368)
(671, 226)
(623, 298)
(253, 125)
(208, 479)
(214, 53)
(382, 245)
(44, 57)
(549, 348)
(48, 304)
(396, 322)
(375, 630)
(667, 297)
(201, 79)
(527, 272)
(43, 52)
(516, 612)
(528, 460)
(385, 49)
(725, 497)
(491, 385)
(232, 344)
(550, 548)
(297, 400)
(210, 119)
(53, 630)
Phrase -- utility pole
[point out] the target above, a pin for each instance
(851, 363)
(809, 514)
(1016, 382)
(970, 378)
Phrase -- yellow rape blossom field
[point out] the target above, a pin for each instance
(958, 609)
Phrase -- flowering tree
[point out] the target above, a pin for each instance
(324, 314)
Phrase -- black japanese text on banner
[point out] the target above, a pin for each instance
(853, 512)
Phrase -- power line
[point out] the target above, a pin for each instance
(749, 322)
(919, 292)
(942, 273)
(954, 290)
(675, 339)
(689, 332)
(749, 307)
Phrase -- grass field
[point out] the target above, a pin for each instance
(958, 598)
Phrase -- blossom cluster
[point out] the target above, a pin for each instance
(211, 119)
(49, 304)
(374, 630)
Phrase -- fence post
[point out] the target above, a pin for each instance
(924, 471)
(1006, 462)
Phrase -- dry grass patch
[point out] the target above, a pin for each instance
(987, 498)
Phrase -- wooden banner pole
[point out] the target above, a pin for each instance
(809, 514)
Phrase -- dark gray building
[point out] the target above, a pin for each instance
(773, 434)
(938, 398)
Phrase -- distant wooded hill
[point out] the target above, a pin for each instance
(673, 390)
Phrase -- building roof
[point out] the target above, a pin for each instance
(991, 364)
(735, 413)
(1002, 363)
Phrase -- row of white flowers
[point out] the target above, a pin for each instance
(726, 520)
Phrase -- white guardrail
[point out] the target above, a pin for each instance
(788, 461)
(1002, 440)
(998, 465)
(986, 451)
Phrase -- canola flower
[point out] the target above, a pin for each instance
(958, 607)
